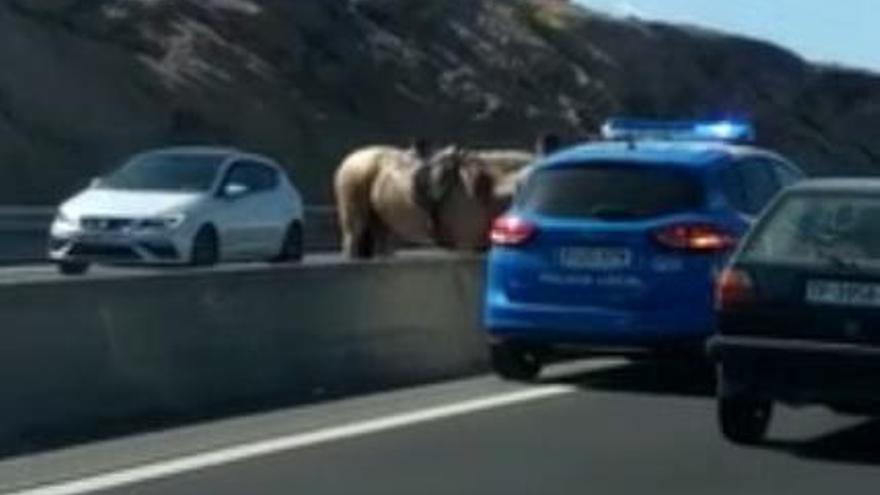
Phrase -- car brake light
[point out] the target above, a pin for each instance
(511, 231)
(733, 288)
(695, 237)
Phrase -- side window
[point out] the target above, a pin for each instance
(268, 177)
(242, 173)
(750, 184)
(786, 175)
(256, 176)
(761, 183)
(734, 188)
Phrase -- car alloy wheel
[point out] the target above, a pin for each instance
(292, 248)
(73, 268)
(205, 247)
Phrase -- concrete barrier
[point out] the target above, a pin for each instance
(23, 234)
(84, 354)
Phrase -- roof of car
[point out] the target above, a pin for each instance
(676, 153)
(198, 150)
(848, 184)
(225, 152)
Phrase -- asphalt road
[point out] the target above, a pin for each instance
(46, 272)
(43, 272)
(610, 427)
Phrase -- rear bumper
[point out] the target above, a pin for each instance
(568, 325)
(799, 371)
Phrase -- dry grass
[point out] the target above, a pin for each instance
(547, 15)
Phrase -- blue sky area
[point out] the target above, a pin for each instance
(846, 32)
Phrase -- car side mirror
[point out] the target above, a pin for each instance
(234, 190)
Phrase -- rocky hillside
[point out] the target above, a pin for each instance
(86, 82)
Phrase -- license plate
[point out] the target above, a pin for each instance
(595, 258)
(843, 293)
(100, 239)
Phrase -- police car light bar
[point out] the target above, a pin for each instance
(681, 130)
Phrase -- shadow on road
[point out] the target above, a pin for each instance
(857, 444)
(683, 377)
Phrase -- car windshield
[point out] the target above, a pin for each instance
(819, 229)
(166, 172)
(611, 191)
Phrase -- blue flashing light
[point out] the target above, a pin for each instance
(680, 130)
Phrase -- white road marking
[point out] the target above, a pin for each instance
(196, 462)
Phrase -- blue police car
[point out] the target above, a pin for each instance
(616, 243)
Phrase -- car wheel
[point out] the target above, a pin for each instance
(73, 268)
(292, 248)
(205, 248)
(744, 420)
(515, 363)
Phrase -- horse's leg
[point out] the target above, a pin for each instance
(365, 244)
(351, 234)
(348, 245)
(354, 212)
(382, 240)
(357, 241)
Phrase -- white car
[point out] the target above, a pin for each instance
(189, 205)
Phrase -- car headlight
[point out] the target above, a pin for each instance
(160, 223)
(64, 219)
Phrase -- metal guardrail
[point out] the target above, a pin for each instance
(24, 229)
(322, 229)
(25, 219)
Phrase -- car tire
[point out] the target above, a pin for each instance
(205, 249)
(73, 268)
(515, 363)
(744, 420)
(292, 248)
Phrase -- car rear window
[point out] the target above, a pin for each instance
(818, 229)
(613, 191)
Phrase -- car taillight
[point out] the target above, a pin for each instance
(511, 231)
(733, 288)
(696, 237)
